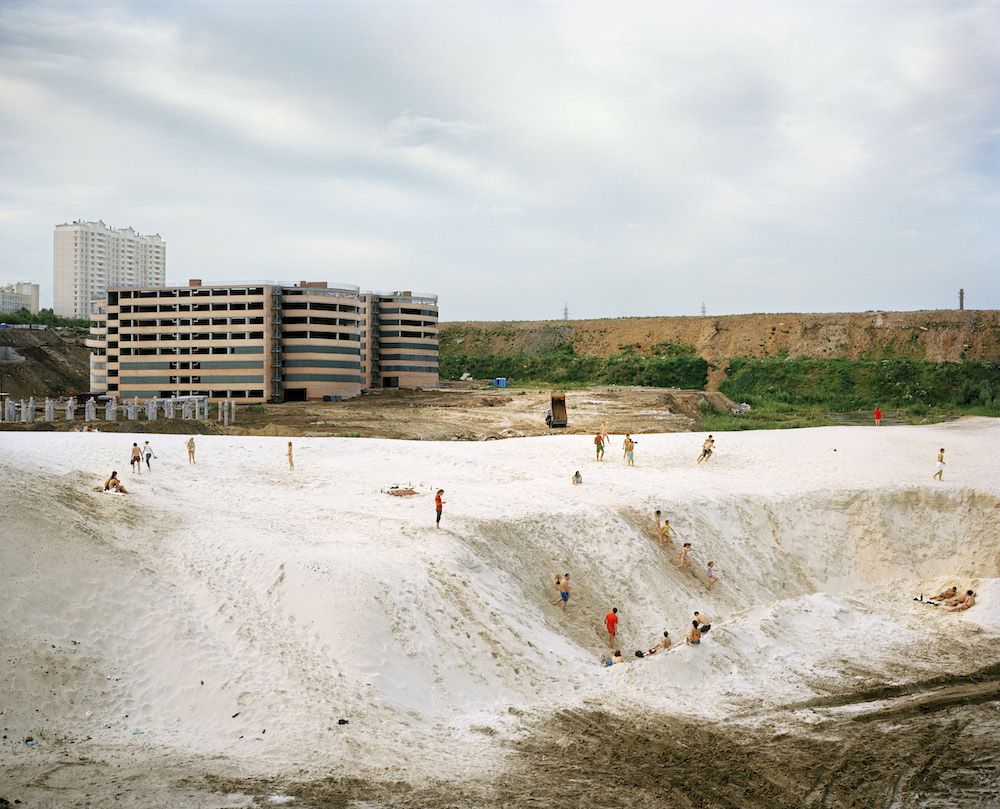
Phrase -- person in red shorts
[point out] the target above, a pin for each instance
(611, 622)
(878, 417)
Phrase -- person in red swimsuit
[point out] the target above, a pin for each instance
(878, 417)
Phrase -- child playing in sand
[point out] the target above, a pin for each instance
(577, 478)
(685, 560)
(712, 578)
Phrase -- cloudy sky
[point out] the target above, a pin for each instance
(517, 158)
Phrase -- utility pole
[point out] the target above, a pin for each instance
(961, 299)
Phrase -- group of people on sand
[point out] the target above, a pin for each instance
(699, 626)
(602, 439)
(951, 599)
(136, 458)
(663, 534)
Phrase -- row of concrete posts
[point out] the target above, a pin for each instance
(196, 409)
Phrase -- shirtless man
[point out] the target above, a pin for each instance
(136, 458)
(564, 590)
(685, 561)
(629, 447)
(940, 465)
(949, 593)
(599, 446)
(706, 449)
(703, 620)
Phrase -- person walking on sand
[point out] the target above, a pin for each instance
(190, 446)
(563, 587)
(712, 578)
(878, 417)
(665, 533)
(599, 446)
(685, 558)
(611, 622)
(940, 465)
(694, 635)
(706, 449)
(291, 463)
(438, 506)
(136, 458)
(147, 450)
(629, 447)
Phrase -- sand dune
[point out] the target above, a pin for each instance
(231, 612)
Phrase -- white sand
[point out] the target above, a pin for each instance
(295, 599)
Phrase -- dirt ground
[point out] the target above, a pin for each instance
(456, 411)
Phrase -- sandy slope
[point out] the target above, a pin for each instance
(234, 611)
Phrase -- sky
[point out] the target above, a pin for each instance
(521, 160)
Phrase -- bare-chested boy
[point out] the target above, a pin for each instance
(564, 590)
(685, 560)
(136, 458)
(940, 465)
(706, 449)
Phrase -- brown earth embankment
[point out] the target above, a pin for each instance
(937, 336)
(56, 363)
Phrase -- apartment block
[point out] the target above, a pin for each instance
(15, 297)
(90, 258)
(261, 341)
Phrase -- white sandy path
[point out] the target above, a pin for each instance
(294, 599)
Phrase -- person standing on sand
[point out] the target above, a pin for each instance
(878, 417)
(136, 458)
(190, 446)
(685, 560)
(629, 447)
(605, 438)
(599, 446)
(940, 465)
(291, 463)
(438, 506)
(658, 525)
(148, 452)
(564, 590)
(611, 622)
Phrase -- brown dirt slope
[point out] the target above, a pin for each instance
(56, 363)
(947, 334)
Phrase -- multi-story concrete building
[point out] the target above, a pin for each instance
(15, 297)
(261, 341)
(90, 258)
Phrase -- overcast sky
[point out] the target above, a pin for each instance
(619, 159)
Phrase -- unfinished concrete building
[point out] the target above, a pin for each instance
(261, 342)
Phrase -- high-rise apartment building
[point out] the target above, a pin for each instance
(261, 342)
(15, 297)
(90, 258)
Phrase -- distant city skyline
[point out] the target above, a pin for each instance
(519, 160)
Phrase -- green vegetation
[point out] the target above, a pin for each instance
(46, 317)
(837, 384)
(669, 367)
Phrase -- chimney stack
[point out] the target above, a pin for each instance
(961, 299)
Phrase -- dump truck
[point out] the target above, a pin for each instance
(556, 415)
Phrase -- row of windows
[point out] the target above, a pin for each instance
(174, 308)
(183, 351)
(199, 321)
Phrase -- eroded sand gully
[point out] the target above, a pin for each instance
(234, 612)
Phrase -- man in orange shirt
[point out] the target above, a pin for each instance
(438, 506)
(611, 621)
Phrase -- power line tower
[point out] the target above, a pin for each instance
(703, 308)
(566, 311)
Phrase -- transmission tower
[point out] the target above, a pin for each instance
(703, 308)
(566, 311)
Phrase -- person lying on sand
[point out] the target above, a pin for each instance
(949, 593)
(963, 602)
(113, 484)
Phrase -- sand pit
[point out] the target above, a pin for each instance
(232, 632)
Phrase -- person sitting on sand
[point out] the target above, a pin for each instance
(113, 484)
(617, 657)
(949, 593)
(694, 636)
(663, 644)
(577, 478)
(962, 602)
